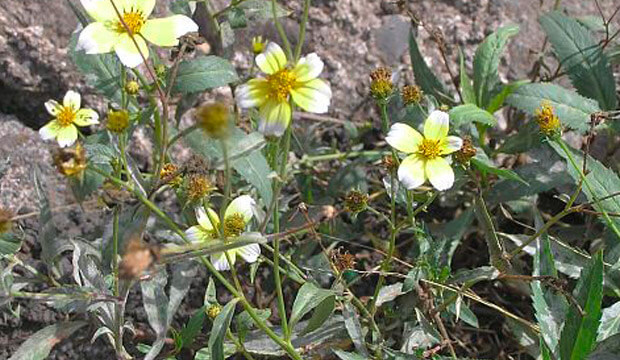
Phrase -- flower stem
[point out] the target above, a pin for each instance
(281, 32)
(302, 30)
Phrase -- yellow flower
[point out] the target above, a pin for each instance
(548, 122)
(426, 159)
(107, 33)
(271, 94)
(258, 45)
(238, 214)
(66, 117)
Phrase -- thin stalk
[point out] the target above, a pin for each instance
(118, 337)
(276, 241)
(302, 30)
(181, 134)
(281, 32)
(496, 252)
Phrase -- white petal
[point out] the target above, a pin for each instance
(451, 144)
(73, 100)
(249, 253)
(208, 221)
(86, 117)
(272, 59)
(100, 10)
(313, 96)
(127, 51)
(403, 137)
(53, 107)
(50, 130)
(220, 262)
(97, 38)
(167, 31)
(254, 93)
(436, 125)
(243, 205)
(145, 6)
(308, 68)
(67, 135)
(439, 173)
(275, 118)
(197, 234)
(411, 172)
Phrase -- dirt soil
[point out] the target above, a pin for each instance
(352, 37)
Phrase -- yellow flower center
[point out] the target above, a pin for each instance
(234, 225)
(66, 116)
(281, 84)
(429, 149)
(134, 20)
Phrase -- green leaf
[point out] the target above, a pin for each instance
(343, 355)
(602, 182)
(203, 73)
(610, 322)
(39, 345)
(608, 349)
(471, 277)
(9, 243)
(498, 101)
(218, 332)
(550, 307)
(572, 109)
(245, 323)
(193, 327)
(260, 10)
(544, 350)
(467, 89)
(469, 113)
(579, 333)
(582, 58)
(526, 138)
(424, 77)
(354, 328)
(236, 18)
(486, 63)
(309, 297)
(321, 313)
(484, 165)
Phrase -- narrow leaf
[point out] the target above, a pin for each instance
(309, 297)
(39, 345)
(424, 76)
(218, 332)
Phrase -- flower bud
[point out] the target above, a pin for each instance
(548, 122)
(132, 87)
(70, 161)
(258, 45)
(466, 152)
(214, 310)
(161, 70)
(381, 86)
(411, 94)
(213, 119)
(118, 121)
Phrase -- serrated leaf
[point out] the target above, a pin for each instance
(193, 327)
(498, 100)
(470, 113)
(467, 89)
(579, 333)
(573, 109)
(308, 297)
(424, 76)
(582, 58)
(9, 243)
(486, 63)
(550, 307)
(218, 332)
(39, 345)
(203, 73)
(610, 322)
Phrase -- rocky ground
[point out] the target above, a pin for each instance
(352, 36)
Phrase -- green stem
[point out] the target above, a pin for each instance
(118, 338)
(584, 179)
(302, 30)
(340, 156)
(281, 32)
(181, 134)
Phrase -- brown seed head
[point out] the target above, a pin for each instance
(466, 152)
(355, 201)
(342, 260)
(381, 86)
(71, 161)
(411, 94)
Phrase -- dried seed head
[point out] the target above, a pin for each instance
(138, 258)
(381, 86)
(355, 201)
(132, 87)
(412, 94)
(71, 161)
(548, 122)
(466, 152)
(6, 220)
(196, 165)
(170, 174)
(342, 260)
(118, 121)
(213, 119)
(198, 186)
(214, 310)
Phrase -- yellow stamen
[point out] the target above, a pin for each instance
(66, 116)
(429, 149)
(281, 84)
(234, 225)
(134, 20)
